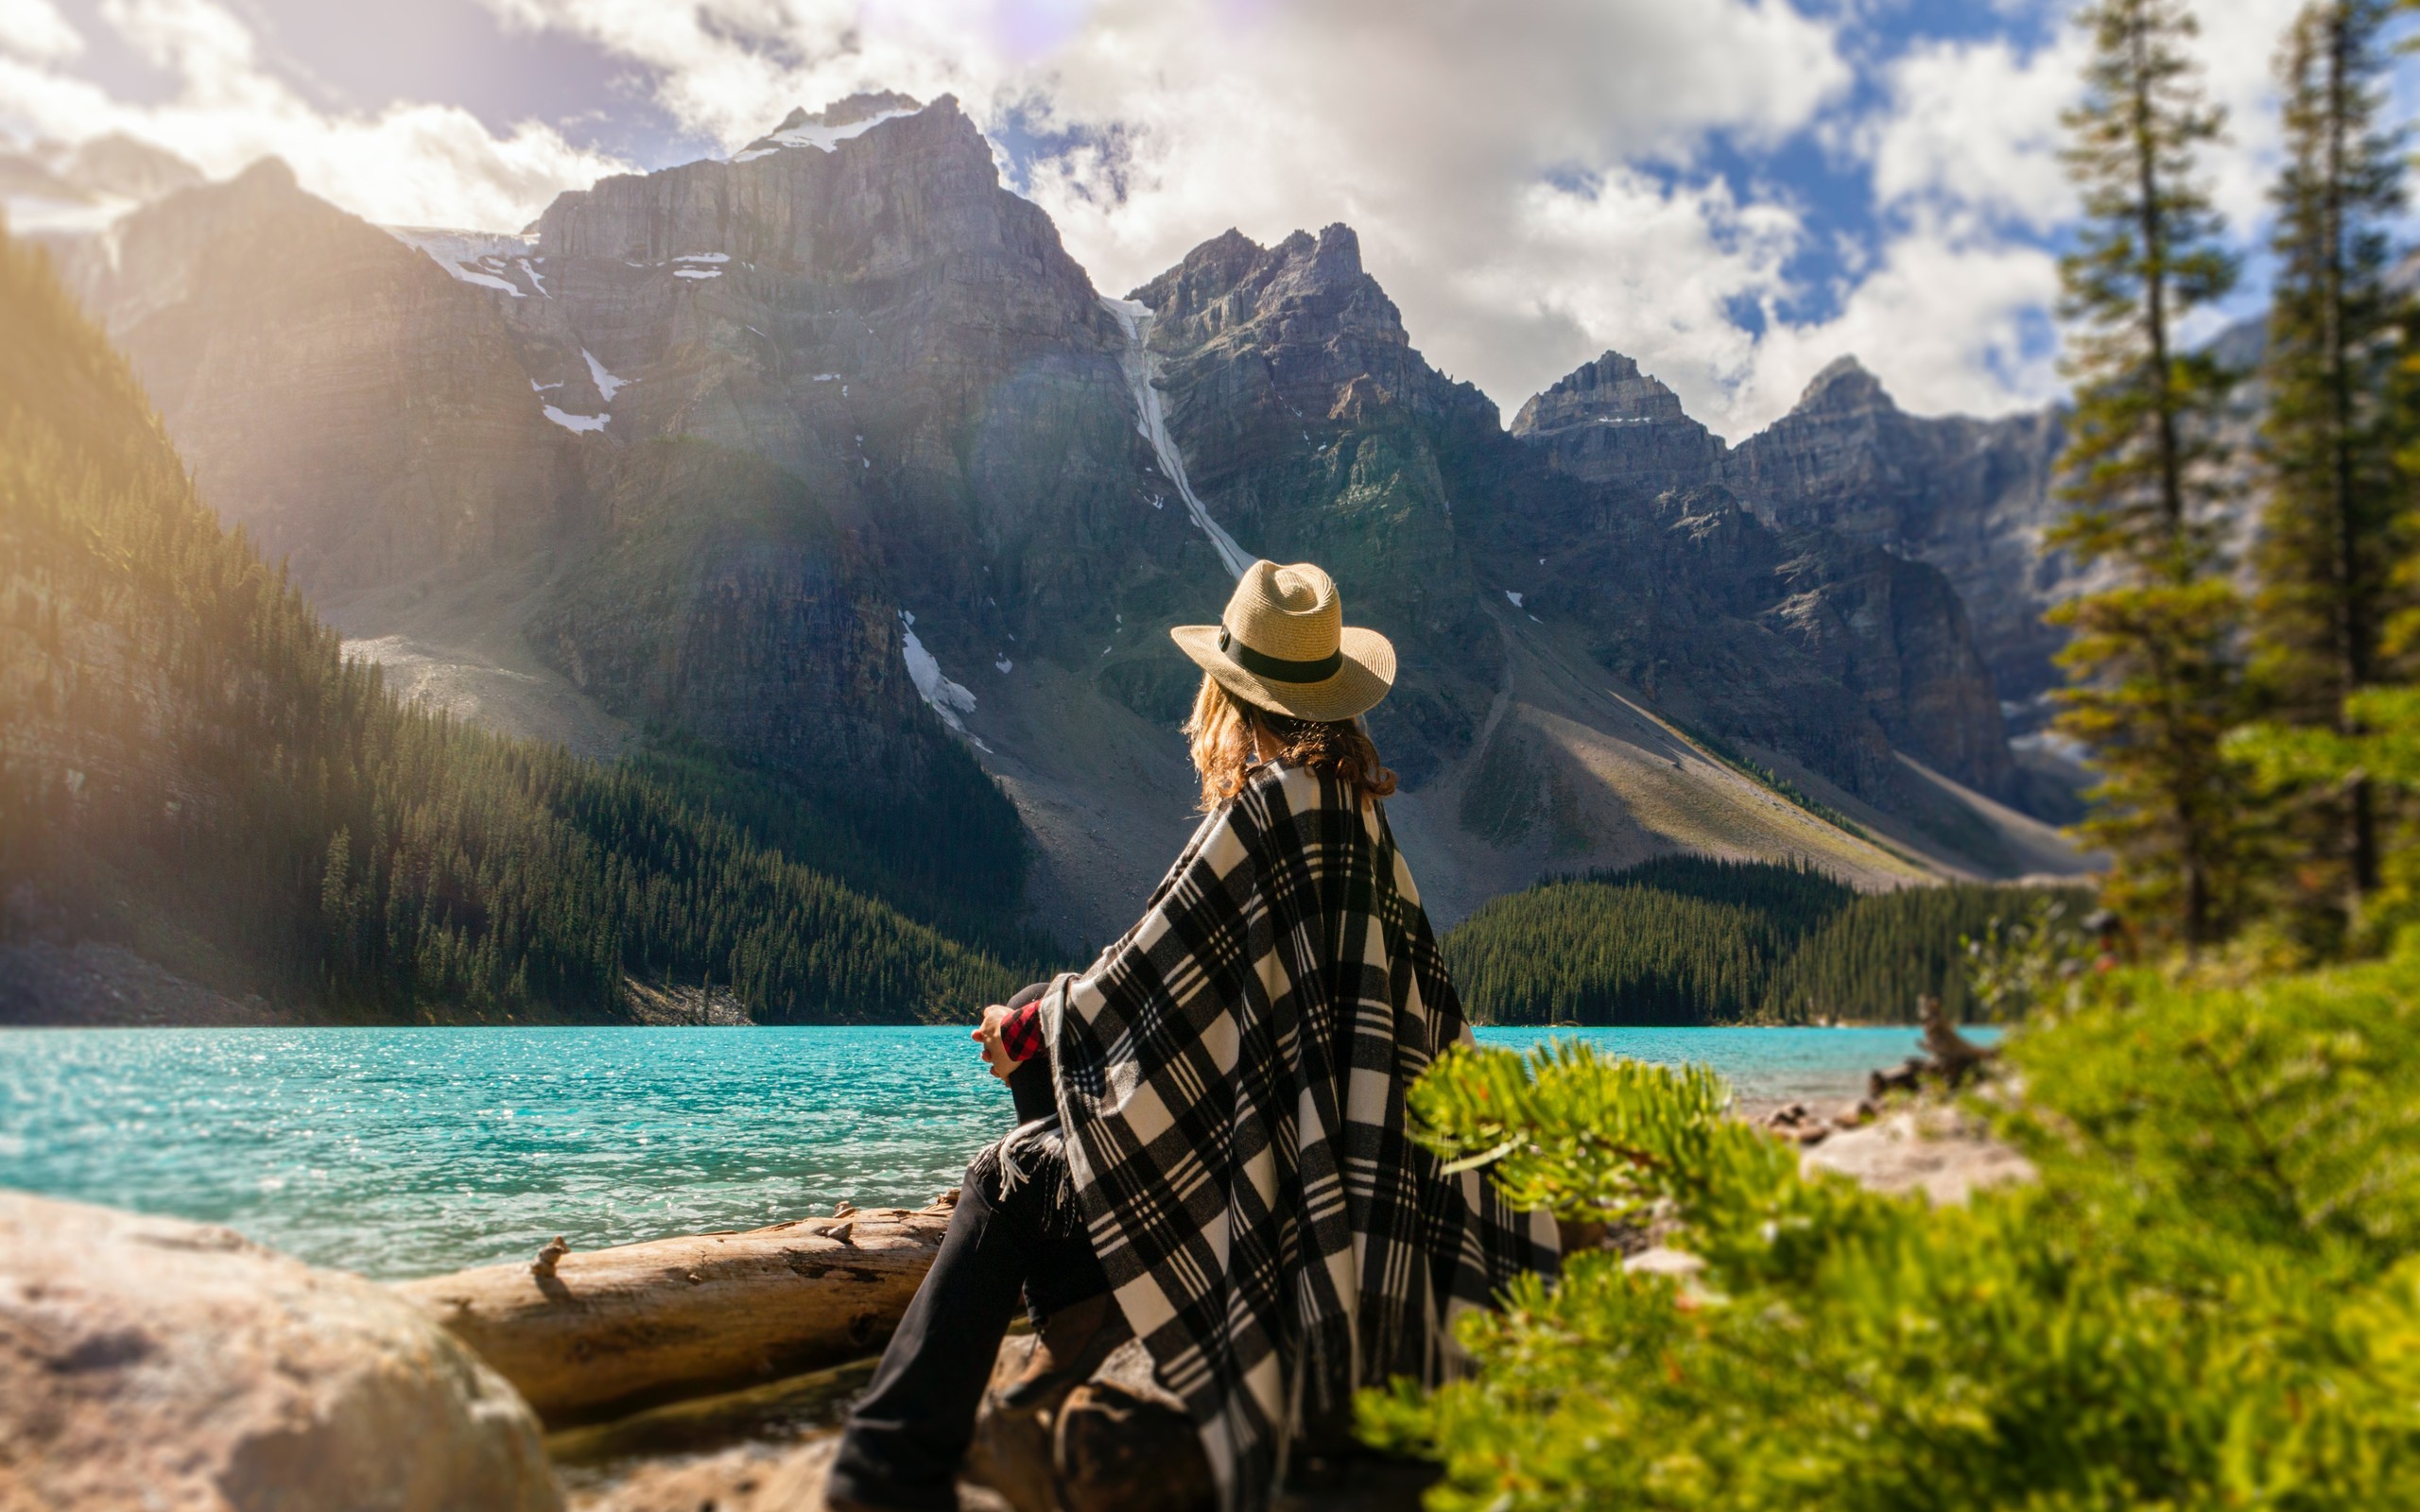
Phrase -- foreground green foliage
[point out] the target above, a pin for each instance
(2210, 1299)
(189, 766)
(1683, 939)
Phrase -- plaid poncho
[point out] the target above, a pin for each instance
(1231, 1078)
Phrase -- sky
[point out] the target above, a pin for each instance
(1734, 192)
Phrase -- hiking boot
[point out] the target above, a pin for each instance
(1075, 1340)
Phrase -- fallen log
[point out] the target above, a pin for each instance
(593, 1334)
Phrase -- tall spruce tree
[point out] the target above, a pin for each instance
(2331, 531)
(2155, 681)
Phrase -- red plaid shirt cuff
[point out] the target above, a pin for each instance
(1021, 1036)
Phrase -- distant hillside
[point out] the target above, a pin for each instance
(1684, 939)
(189, 768)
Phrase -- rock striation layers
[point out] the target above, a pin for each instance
(1971, 497)
(1609, 423)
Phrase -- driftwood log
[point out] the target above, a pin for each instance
(587, 1336)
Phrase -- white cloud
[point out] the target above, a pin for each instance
(34, 30)
(421, 163)
(1529, 178)
(2238, 47)
(1975, 124)
(1949, 319)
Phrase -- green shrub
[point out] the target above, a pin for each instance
(2210, 1298)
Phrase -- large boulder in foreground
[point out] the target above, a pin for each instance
(150, 1363)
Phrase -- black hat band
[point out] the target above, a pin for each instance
(1277, 669)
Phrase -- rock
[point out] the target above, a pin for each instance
(1119, 1442)
(1663, 1261)
(90, 984)
(605, 1332)
(1935, 1150)
(1971, 497)
(150, 1363)
(1609, 423)
(742, 1478)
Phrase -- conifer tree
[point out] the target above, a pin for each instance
(2154, 680)
(2329, 534)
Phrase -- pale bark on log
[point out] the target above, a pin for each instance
(611, 1331)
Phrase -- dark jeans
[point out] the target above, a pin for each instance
(908, 1433)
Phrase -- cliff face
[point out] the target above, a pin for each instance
(1314, 432)
(1971, 497)
(360, 413)
(1917, 573)
(1609, 423)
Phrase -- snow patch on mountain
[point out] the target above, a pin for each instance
(484, 259)
(607, 385)
(800, 132)
(576, 422)
(944, 697)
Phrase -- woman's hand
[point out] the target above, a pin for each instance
(987, 1034)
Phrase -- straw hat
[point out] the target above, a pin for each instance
(1283, 645)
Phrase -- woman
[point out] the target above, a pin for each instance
(1219, 1161)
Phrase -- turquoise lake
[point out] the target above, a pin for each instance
(404, 1152)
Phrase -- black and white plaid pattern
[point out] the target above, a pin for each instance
(1231, 1076)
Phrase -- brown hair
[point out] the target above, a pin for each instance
(1230, 735)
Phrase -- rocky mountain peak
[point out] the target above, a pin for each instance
(267, 176)
(826, 129)
(1610, 390)
(1610, 423)
(1306, 288)
(863, 106)
(1845, 385)
(119, 165)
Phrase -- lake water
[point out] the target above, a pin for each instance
(404, 1152)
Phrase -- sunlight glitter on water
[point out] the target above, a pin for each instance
(403, 1151)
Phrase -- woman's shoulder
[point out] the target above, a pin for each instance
(1291, 787)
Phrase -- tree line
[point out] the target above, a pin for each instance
(190, 766)
(1688, 940)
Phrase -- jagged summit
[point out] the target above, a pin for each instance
(1305, 281)
(1844, 384)
(1610, 389)
(834, 124)
(1608, 422)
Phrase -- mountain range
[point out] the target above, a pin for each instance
(823, 479)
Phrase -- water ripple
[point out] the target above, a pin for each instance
(404, 1152)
